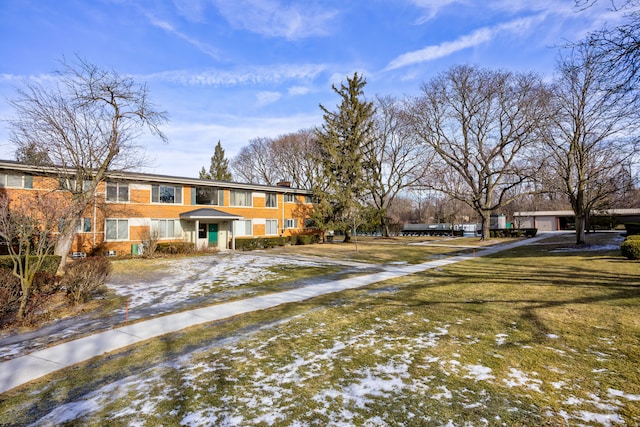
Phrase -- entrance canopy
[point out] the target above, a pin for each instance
(204, 214)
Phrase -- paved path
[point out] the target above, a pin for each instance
(27, 368)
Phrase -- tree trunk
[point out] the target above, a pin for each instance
(26, 284)
(347, 235)
(486, 225)
(63, 245)
(580, 228)
(385, 226)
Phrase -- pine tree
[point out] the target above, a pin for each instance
(345, 145)
(219, 168)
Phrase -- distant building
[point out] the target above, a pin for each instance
(565, 220)
(205, 212)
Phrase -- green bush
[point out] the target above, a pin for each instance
(251, 243)
(85, 278)
(272, 242)
(247, 244)
(307, 239)
(630, 248)
(176, 248)
(50, 264)
(633, 237)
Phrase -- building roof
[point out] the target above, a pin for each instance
(208, 213)
(146, 177)
(571, 213)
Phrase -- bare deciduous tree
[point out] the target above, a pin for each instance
(617, 49)
(593, 136)
(482, 125)
(399, 160)
(86, 125)
(255, 164)
(26, 227)
(296, 157)
(291, 157)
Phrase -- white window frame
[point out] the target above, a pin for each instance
(274, 196)
(163, 225)
(273, 224)
(119, 186)
(118, 237)
(26, 181)
(289, 198)
(85, 225)
(218, 200)
(177, 194)
(291, 223)
(245, 202)
(244, 228)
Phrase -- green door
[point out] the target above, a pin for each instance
(213, 234)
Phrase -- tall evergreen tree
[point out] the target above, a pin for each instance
(219, 168)
(345, 142)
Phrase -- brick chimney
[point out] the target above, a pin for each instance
(284, 184)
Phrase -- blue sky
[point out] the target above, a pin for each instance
(234, 70)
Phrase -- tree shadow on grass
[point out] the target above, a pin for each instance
(530, 288)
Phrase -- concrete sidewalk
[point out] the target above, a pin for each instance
(27, 368)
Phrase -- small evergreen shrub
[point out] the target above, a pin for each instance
(85, 278)
(633, 237)
(251, 243)
(307, 239)
(180, 248)
(630, 248)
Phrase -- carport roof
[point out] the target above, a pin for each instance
(208, 213)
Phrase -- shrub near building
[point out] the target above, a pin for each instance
(630, 248)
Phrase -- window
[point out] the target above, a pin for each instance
(166, 194)
(271, 226)
(167, 228)
(244, 228)
(117, 229)
(272, 200)
(85, 225)
(18, 181)
(291, 223)
(290, 198)
(69, 184)
(308, 199)
(117, 192)
(241, 198)
(209, 196)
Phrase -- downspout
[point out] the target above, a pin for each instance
(233, 235)
(95, 219)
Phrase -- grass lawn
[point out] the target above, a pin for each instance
(533, 336)
(410, 250)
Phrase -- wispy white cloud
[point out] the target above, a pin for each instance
(298, 90)
(432, 8)
(253, 75)
(193, 10)
(267, 97)
(273, 18)
(168, 27)
(34, 78)
(478, 37)
(191, 142)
